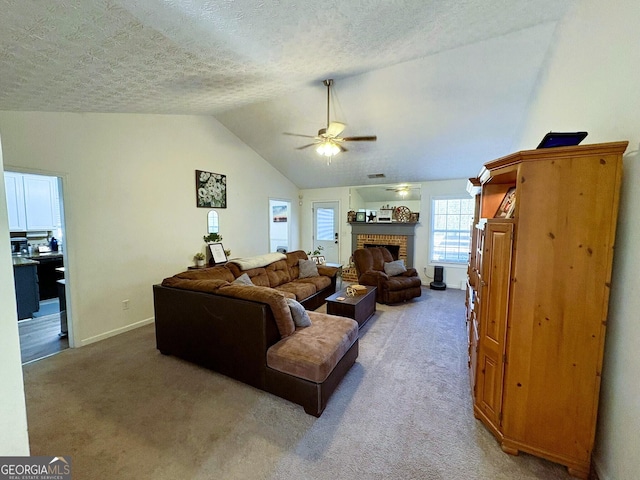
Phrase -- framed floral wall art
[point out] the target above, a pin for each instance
(211, 190)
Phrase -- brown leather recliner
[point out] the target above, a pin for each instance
(390, 289)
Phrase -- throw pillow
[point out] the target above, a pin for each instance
(394, 268)
(243, 280)
(298, 313)
(308, 268)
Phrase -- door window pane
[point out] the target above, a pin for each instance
(324, 224)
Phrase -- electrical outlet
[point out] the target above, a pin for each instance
(125, 304)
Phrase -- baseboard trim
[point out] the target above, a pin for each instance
(117, 331)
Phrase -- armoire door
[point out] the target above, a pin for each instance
(495, 282)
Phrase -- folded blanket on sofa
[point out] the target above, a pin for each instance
(258, 261)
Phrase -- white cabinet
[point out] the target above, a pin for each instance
(39, 201)
(13, 186)
(32, 202)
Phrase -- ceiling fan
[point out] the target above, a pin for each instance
(403, 190)
(328, 142)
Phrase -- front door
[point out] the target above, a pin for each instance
(325, 230)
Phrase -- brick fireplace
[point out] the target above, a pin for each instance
(400, 235)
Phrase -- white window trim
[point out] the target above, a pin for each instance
(431, 261)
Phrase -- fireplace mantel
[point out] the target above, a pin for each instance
(406, 229)
(383, 228)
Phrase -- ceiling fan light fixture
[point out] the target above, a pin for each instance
(328, 148)
(328, 142)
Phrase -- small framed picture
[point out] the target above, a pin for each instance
(372, 215)
(361, 216)
(385, 215)
(217, 253)
(211, 190)
(505, 210)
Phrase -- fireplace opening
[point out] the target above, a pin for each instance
(394, 250)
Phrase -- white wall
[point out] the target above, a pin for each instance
(13, 414)
(453, 274)
(592, 83)
(130, 202)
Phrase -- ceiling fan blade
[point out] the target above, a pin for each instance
(298, 135)
(342, 149)
(370, 138)
(306, 146)
(335, 129)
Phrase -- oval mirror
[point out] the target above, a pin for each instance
(212, 222)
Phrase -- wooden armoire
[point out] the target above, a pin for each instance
(539, 280)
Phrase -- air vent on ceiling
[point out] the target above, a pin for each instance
(376, 175)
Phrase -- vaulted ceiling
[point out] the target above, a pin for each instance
(445, 85)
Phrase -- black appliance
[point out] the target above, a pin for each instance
(438, 276)
(19, 245)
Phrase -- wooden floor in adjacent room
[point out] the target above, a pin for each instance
(39, 337)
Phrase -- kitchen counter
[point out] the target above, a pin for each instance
(20, 261)
(45, 255)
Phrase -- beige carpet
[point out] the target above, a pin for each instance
(124, 411)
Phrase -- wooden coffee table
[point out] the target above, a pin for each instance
(361, 307)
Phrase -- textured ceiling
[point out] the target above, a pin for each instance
(444, 85)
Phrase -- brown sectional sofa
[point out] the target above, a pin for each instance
(248, 333)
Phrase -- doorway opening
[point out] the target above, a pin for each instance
(38, 248)
(279, 225)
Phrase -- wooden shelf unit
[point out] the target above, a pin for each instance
(537, 298)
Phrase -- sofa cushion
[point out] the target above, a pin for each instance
(298, 313)
(198, 285)
(273, 298)
(308, 268)
(318, 282)
(312, 353)
(257, 275)
(394, 268)
(401, 282)
(287, 294)
(212, 273)
(292, 260)
(328, 271)
(278, 273)
(301, 290)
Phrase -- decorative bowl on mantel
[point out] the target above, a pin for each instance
(402, 214)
